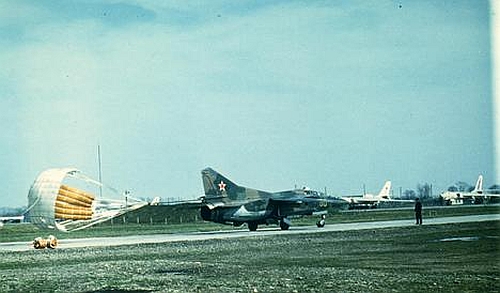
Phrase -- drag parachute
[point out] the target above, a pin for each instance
(65, 199)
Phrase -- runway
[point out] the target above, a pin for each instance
(199, 236)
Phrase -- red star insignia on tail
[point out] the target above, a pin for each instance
(222, 186)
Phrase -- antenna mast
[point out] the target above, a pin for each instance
(100, 171)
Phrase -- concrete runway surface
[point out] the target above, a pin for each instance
(197, 236)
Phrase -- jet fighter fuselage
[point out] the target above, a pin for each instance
(228, 203)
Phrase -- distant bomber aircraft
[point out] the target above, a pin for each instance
(12, 219)
(371, 200)
(228, 203)
(477, 195)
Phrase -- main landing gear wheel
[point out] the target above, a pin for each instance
(284, 225)
(252, 226)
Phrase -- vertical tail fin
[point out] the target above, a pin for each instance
(478, 189)
(216, 185)
(384, 192)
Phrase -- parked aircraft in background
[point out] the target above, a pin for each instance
(371, 200)
(477, 195)
(12, 219)
(155, 201)
(228, 203)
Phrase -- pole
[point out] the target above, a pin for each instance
(495, 82)
(100, 170)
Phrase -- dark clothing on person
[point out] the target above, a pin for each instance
(418, 212)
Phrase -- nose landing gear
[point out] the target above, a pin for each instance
(321, 222)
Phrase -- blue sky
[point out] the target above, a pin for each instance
(273, 94)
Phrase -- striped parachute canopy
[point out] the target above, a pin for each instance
(67, 200)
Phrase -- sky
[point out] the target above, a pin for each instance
(333, 95)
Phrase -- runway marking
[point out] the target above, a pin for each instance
(199, 236)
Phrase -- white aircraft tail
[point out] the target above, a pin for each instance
(478, 189)
(385, 191)
(155, 201)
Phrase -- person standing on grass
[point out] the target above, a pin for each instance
(418, 211)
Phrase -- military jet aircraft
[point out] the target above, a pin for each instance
(12, 219)
(477, 195)
(372, 200)
(228, 203)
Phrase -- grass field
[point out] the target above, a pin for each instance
(462, 257)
